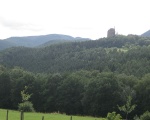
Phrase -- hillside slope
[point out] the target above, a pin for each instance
(120, 54)
(37, 41)
(146, 34)
(6, 44)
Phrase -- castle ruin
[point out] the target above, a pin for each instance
(111, 32)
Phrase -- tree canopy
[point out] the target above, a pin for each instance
(86, 78)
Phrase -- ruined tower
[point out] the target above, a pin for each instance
(111, 32)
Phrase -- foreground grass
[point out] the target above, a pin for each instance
(15, 115)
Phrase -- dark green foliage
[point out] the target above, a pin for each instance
(87, 78)
(129, 55)
(128, 107)
(5, 90)
(38, 94)
(102, 95)
(82, 92)
(26, 107)
(50, 92)
(20, 78)
(136, 118)
(113, 116)
(143, 90)
(69, 96)
(145, 116)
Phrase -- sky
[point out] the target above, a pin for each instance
(78, 18)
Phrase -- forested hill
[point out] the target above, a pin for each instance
(120, 54)
(146, 34)
(35, 41)
(5, 44)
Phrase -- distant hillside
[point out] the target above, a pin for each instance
(34, 41)
(6, 44)
(105, 54)
(146, 34)
(63, 41)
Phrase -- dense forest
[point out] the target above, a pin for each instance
(85, 78)
(82, 92)
(120, 54)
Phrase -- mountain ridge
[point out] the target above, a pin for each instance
(146, 34)
(35, 41)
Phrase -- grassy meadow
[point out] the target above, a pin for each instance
(15, 115)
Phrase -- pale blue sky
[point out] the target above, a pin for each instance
(84, 18)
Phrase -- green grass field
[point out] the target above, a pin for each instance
(15, 115)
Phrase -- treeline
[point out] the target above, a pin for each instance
(86, 78)
(120, 54)
(82, 92)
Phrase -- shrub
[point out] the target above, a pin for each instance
(26, 107)
(113, 116)
(145, 116)
(136, 118)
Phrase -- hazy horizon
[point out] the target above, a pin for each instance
(77, 18)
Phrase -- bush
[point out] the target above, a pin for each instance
(113, 116)
(136, 118)
(26, 107)
(145, 116)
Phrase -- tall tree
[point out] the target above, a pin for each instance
(50, 92)
(128, 107)
(102, 95)
(69, 96)
(143, 96)
(5, 90)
